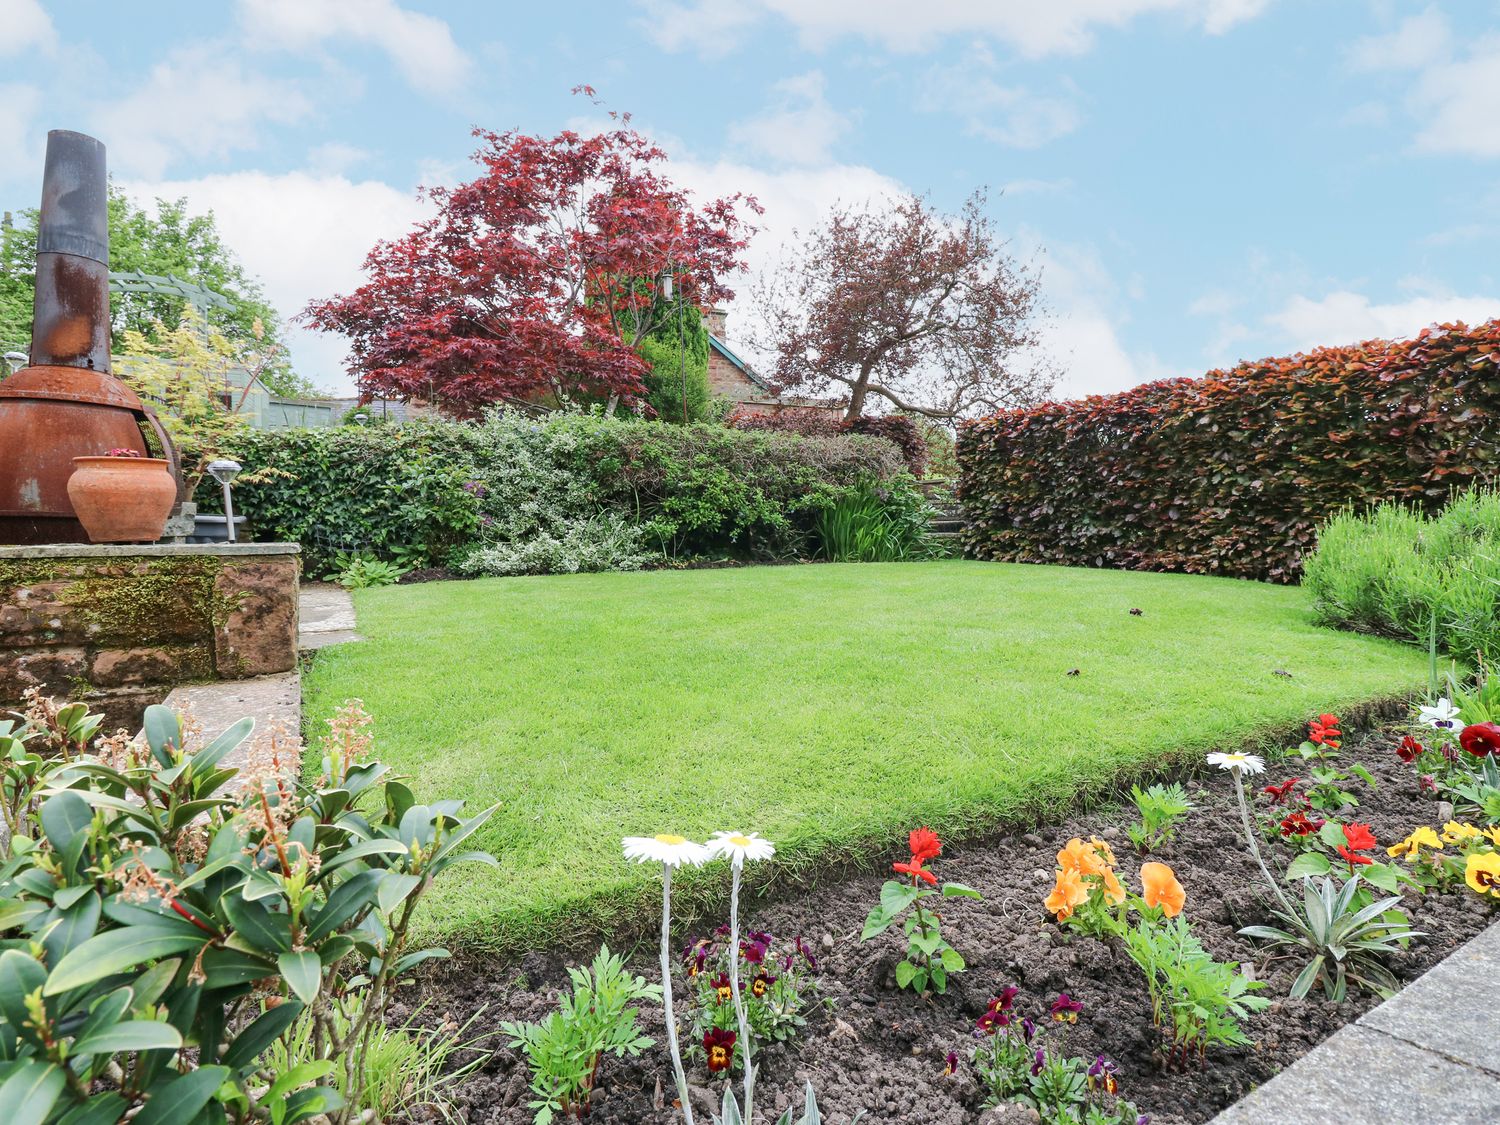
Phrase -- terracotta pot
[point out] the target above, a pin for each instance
(122, 499)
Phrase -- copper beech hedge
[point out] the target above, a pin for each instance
(1231, 474)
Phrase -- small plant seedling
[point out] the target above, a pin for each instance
(1160, 806)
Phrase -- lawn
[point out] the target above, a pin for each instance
(829, 707)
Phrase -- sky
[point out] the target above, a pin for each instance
(1197, 181)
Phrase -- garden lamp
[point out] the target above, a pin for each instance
(15, 361)
(224, 472)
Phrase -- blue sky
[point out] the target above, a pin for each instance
(1199, 180)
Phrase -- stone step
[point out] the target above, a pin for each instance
(270, 700)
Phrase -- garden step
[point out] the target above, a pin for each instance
(272, 701)
(326, 616)
(1428, 1054)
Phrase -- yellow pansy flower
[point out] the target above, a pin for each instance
(1411, 847)
(1456, 833)
(1482, 873)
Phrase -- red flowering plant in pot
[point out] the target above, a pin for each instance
(929, 958)
(123, 496)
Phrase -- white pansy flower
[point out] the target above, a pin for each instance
(1239, 763)
(1441, 714)
(665, 848)
(737, 847)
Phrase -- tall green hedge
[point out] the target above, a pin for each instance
(1232, 473)
(434, 492)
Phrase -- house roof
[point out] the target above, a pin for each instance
(750, 373)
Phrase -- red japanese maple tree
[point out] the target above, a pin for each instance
(534, 282)
(903, 303)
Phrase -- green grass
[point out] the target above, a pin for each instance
(829, 707)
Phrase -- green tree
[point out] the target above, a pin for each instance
(677, 350)
(164, 240)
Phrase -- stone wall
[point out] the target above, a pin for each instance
(121, 626)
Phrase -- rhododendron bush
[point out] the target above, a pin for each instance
(1231, 474)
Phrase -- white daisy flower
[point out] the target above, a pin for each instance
(1239, 763)
(665, 848)
(738, 847)
(1440, 715)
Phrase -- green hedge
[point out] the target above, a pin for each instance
(1232, 473)
(438, 493)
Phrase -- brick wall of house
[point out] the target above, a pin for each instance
(120, 627)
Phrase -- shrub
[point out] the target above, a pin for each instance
(516, 494)
(162, 932)
(1231, 474)
(898, 429)
(1398, 573)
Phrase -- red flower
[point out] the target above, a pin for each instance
(1359, 836)
(1280, 793)
(915, 870)
(719, 1046)
(1353, 858)
(722, 989)
(1480, 739)
(1065, 1009)
(1324, 730)
(1427, 783)
(1410, 750)
(924, 844)
(1298, 824)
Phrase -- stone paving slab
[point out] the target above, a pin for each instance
(1362, 1075)
(1429, 1055)
(267, 699)
(326, 616)
(1453, 1009)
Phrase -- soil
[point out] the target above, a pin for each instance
(882, 1049)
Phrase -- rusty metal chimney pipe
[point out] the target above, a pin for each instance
(66, 404)
(70, 326)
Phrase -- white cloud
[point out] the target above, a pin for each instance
(1035, 27)
(795, 200)
(199, 102)
(1455, 88)
(1416, 42)
(800, 129)
(1086, 308)
(1006, 115)
(336, 158)
(27, 27)
(1346, 317)
(421, 46)
(304, 235)
(19, 140)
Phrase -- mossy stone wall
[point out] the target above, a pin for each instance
(121, 629)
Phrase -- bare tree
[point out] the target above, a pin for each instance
(922, 309)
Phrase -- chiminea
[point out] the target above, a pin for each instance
(66, 404)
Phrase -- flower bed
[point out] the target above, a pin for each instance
(879, 1047)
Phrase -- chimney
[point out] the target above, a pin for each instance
(713, 320)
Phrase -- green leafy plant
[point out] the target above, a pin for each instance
(1202, 999)
(873, 525)
(1343, 940)
(407, 1069)
(1160, 806)
(729, 1112)
(161, 930)
(1424, 577)
(361, 572)
(566, 1048)
(929, 958)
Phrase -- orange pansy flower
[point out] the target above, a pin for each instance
(1162, 889)
(1069, 893)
